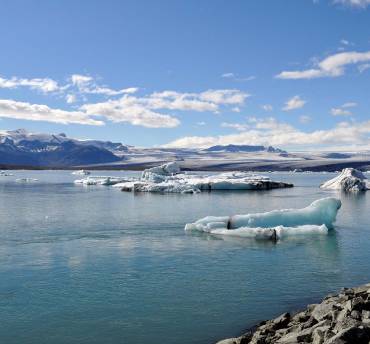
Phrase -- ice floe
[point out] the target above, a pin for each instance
(81, 173)
(168, 178)
(6, 174)
(349, 179)
(314, 219)
(26, 180)
(101, 180)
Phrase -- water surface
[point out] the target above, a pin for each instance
(96, 265)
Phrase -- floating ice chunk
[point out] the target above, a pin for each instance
(101, 180)
(272, 233)
(169, 179)
(6, 174)
(164, 187)
(157, 174)
(26, 180)
(349, 179)
(318, 213)
(81, 173)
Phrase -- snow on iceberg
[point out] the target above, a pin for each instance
(159, 173)
(273, 233)
(316, 218)
(349, 179)
(168, 178)
(101, 180)
(81, 173)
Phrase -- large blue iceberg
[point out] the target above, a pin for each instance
(318, 217)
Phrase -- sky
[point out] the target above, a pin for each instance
(193, 73)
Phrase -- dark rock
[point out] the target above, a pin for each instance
(338, 319)
(355, 335)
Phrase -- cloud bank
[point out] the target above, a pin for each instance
(332, 66)
(269, 131)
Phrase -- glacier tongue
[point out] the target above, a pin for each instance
(316, 218)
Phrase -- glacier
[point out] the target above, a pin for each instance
(349, 180)
(169, 178)
(318, 217)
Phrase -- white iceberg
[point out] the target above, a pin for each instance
(316, 218)
(159, 173)
(101, 180)
(26, 180)
(6, 174)
(349, 179)
(81, 173)
(168, 179)
(273, 233)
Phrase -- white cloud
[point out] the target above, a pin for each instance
(271, 132)
(353, 3)
(44, 85)
(36, 112)
(305, 119)
(201, 124)
(71, 98)
(224, 97)
(294, 103)
(228, 75)
(342, 110)
(332, 66)
(235, 77)
(87, 85)
(127, 109)
(237, 126)
(146, 110)
(267, 107)
(349, 105)
(79, 80)
(361, 68)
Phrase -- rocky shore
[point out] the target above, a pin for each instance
(339, 319)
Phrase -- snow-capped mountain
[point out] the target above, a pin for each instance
(20, 147)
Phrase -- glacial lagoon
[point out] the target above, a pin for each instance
(92, 264)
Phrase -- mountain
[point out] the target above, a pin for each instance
(243, 148)
(20, 147)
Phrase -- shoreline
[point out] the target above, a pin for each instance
(339, 318)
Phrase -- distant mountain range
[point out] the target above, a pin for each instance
(23, 149)
(244, 148)
(20, 147)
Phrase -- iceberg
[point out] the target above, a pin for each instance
(168, 178)
(350, 180)
(273, 233)
(6, 174)
(81, 173)
(159, 173)
(26, 180)
(318, 217)
(101, 180)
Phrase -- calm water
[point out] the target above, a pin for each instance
(96, 265)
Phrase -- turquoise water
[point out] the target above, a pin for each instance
(96, 265)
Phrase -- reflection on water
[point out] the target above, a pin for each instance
(113, 267)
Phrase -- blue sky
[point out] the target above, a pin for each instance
(291, 73)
